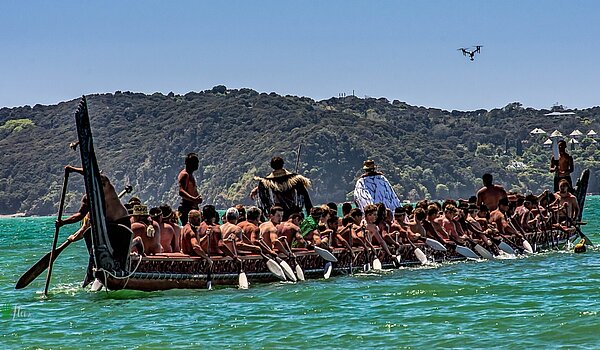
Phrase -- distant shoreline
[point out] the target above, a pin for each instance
(15, 215)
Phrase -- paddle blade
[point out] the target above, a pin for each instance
(435, 245)
(466, 252)
(484, 252)
(325, 254)
(421, 256)
(377, 264)
(96, 286)
(243, 280)
(39, 267)
(506, 248)
(289, 273)
(299, 272)
(276, 269)
(327, 270)
(527, 247)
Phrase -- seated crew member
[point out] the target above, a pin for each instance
(291, 231)
(234, 235)
(498, 217)
(310, 225)
(146, 229)
(343, 235)
(173, 219)
(359, 236)
(250, 225)
(449, 224)
(268, 232)
(433, 229)
(566, 202)
(373, 230)
(190, 244)
(384, 224)
(283, 189)
(210, 236)
(490, 194)
(168, 239)
(415, 226)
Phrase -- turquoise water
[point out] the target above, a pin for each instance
(550, 300)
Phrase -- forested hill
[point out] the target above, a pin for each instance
(142, 139)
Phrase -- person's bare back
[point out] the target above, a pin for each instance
(288, 230)
(150, 234)
(231, 232)
(490, 196)
(167, 238)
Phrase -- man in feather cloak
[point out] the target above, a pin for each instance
(282, 188)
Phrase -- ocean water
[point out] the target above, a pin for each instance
(550, 300)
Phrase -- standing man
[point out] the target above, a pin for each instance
(562, 167)
(283, 189)
(373, 187)
(490, 194)
(190, 199)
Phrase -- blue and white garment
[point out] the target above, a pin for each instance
(375, 189)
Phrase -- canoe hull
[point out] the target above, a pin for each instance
(179, 271)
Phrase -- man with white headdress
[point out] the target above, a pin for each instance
(372, 187)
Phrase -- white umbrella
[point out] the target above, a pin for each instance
(573, 141)
(548, 142)
(537, 131)
(556, 133)
(591, 133)
(576, 133)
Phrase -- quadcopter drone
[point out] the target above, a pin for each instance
(470, 52)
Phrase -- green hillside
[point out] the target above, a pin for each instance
(141, 140)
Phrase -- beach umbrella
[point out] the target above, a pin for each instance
(591, 133)
(548, 143)
(576, 133)
(573, 141)
(556, 133)
(537, 131)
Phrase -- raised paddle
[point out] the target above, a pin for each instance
(55, 240)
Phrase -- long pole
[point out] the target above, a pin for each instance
(298, 157)
(54, 241)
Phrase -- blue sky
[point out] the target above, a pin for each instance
(535, 52)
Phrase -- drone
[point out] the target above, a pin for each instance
(470, 52)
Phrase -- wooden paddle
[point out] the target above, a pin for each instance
(55, 240)
(44, 262)
(242, 278)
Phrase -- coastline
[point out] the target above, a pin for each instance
(15, 215)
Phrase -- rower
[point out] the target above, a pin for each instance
(233, 234)
(268, 231)
(190, 244)
(209, 234)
